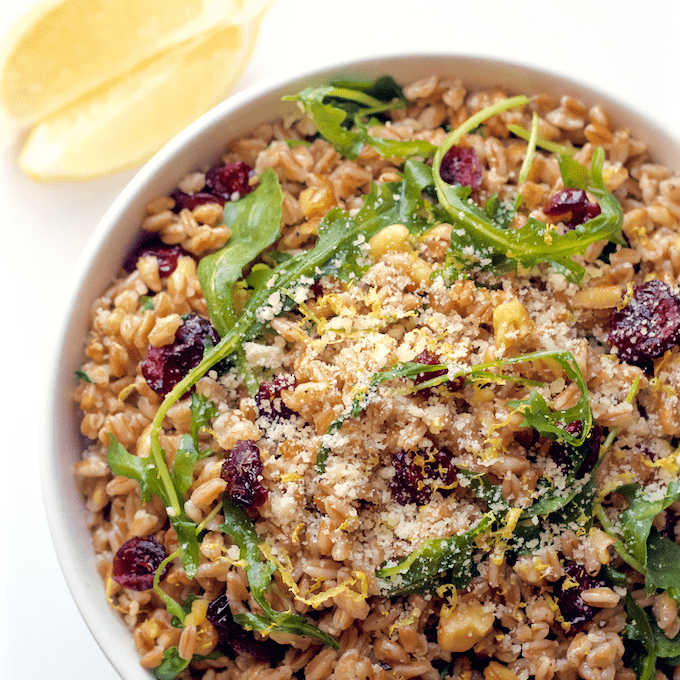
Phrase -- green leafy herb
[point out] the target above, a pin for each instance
(202, 412)
(171, 604)
(663, 565)
(531, 150)
(171, 666)
(428, 566)
(168, 488)
(255, 223)
(537, 413)
(81, 375)
(146, 303)
(477, 241)
(339, 112)
(552, 147)
(484, 489)
(558, 510)
(155, 480)
(385, 89)
(637, 519)
(501, 212)
(640, 630)
(259, 572)
(656, 646)
(575, 506)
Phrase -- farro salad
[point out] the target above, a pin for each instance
(392, 392)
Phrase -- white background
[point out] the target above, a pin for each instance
(629, 48)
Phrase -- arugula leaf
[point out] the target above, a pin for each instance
(259, 572)
(478, 242)
(637, 519)
(484, 489)
(552, 147)
(133, 467)
(338, 112)
(146, 473)
(185, 460)
(666, 648)
(537, 413)
(173, 486)
(386, 204)
(658, 647)
(171, 666)
(384, 88)
(663, 565)
(255, 223)
(640, 629)
(202, 412)
(558, 509)
(423, 569)
(173, 607)
(500, 212)
(565, 505)
(146, 303)
(531, 150)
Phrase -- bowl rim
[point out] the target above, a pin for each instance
(67, 523)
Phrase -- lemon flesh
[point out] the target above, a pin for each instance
(124, 123)
(65, 49)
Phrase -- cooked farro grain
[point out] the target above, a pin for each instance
(422, 455)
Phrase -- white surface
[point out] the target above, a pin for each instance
(611, 44)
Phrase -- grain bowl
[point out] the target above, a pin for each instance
(373, 374)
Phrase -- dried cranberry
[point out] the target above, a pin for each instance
(166, 255)
(229, 181)
(671, 519)
(574, 428)
(427, 358)
(233, 636)
(648, 326)
(443, 472)
(165, 366)
(136, 562)
(242, 471)
(572, 207)
(224, 183)
(191, 201)
(417, 475)
(526, 437)
(408, 484)
(569, 589)
(268, 399)
(589, 452)
(461, 165)
(316, 290)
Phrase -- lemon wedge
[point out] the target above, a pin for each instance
(105, 83)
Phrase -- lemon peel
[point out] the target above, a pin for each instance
(108, 592)
(284, 566)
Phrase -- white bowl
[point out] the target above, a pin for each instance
(200, 143)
